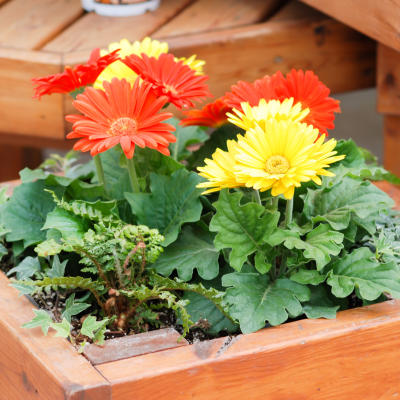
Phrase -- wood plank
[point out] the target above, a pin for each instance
(28, 25)
(376, 19)
(211, 15)
(342, 58)
(93, 30)
(19, 113)
(15, 158)
(33, 366)
(36, 142)
(309, 359)
(388, 80)
(391, 143)
(134, 345)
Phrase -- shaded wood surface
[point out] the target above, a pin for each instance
(211, 15)
(378, 19)
(94, 30)
(391, 143)
(392, 190)
(355, 356)
(35, 367)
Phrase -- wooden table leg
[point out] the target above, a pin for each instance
(14, 158)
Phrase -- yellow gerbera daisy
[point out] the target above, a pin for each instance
(153, 48)
(192, 63)
(281, 156)
(219, 171)
(253, 116)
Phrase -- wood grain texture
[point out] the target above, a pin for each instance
(19, 113)
(391, 143)
(15, 158)
(342, 58)
(94, 30)
(356, 356)
(211, 15)
(388, 80)
(28, 25)
(378, 19)
(35, 367)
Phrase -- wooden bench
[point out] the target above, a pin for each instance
(239, 39)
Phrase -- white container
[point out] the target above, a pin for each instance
(120, 10)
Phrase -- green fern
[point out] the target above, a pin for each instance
(65, 283)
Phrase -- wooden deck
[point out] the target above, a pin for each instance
(238, 40)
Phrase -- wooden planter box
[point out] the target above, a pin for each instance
(355, 356)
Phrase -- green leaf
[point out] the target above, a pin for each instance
(216, 141)
(58, 269)
(255, 300)
(63, 328)
(345, 201)
(42, 319)
(319, 243)
(23, 289)
(194, 248)
(354, 156)
(241, 228)
(3, 251)
(69, 224)
(320, 305)
(28, 175)
(90, 326)
(26, 211)
(73, 308)
(173, 201)
(27, 268)
(3, 195)
(48, 248)
(185, 136)
(358, 270)
(308, 277)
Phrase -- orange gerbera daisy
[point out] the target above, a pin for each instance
(313, 94)
(74, 81)
(121, 114)
(252, 93)
(212, 115)
(170, 78)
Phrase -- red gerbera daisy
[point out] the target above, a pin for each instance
(74, 81)
(212, 115)
(121, 114)
(312, 94)
(252, 93)
(170, 78)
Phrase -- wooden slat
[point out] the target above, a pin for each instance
(378, 19)
(28, 25)
(19, 113)
(93, 30)
(35, 142)
(391, 147)
(210, 15)
(15, 158)
(35, 367)
(309, 359)
(342, 58)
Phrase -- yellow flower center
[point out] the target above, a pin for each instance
(277, 165)
(124, 127)
(169, 88)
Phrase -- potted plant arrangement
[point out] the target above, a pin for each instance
(266, 222)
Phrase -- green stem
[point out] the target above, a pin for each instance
(288, 220)
(275, 201)
(132, 175)
(257, 196)
(100, 171)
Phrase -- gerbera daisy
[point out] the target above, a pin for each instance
(253, 116)
(312, 94)
(281, 156)
(219, 171)
(152, 48)
(74, 81)
(252, 93)
(170, 78)
(121, 114)
(212, 115)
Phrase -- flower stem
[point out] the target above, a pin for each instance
(288, 220)
(257, 196)
(275, 201)
(132, 175)
(100, 172)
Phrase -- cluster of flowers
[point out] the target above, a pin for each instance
(121, 93)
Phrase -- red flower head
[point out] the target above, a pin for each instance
(212, 115)
(74, 81)
(312, 94)
(252, 93)
(170, 78)
(121, 114)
